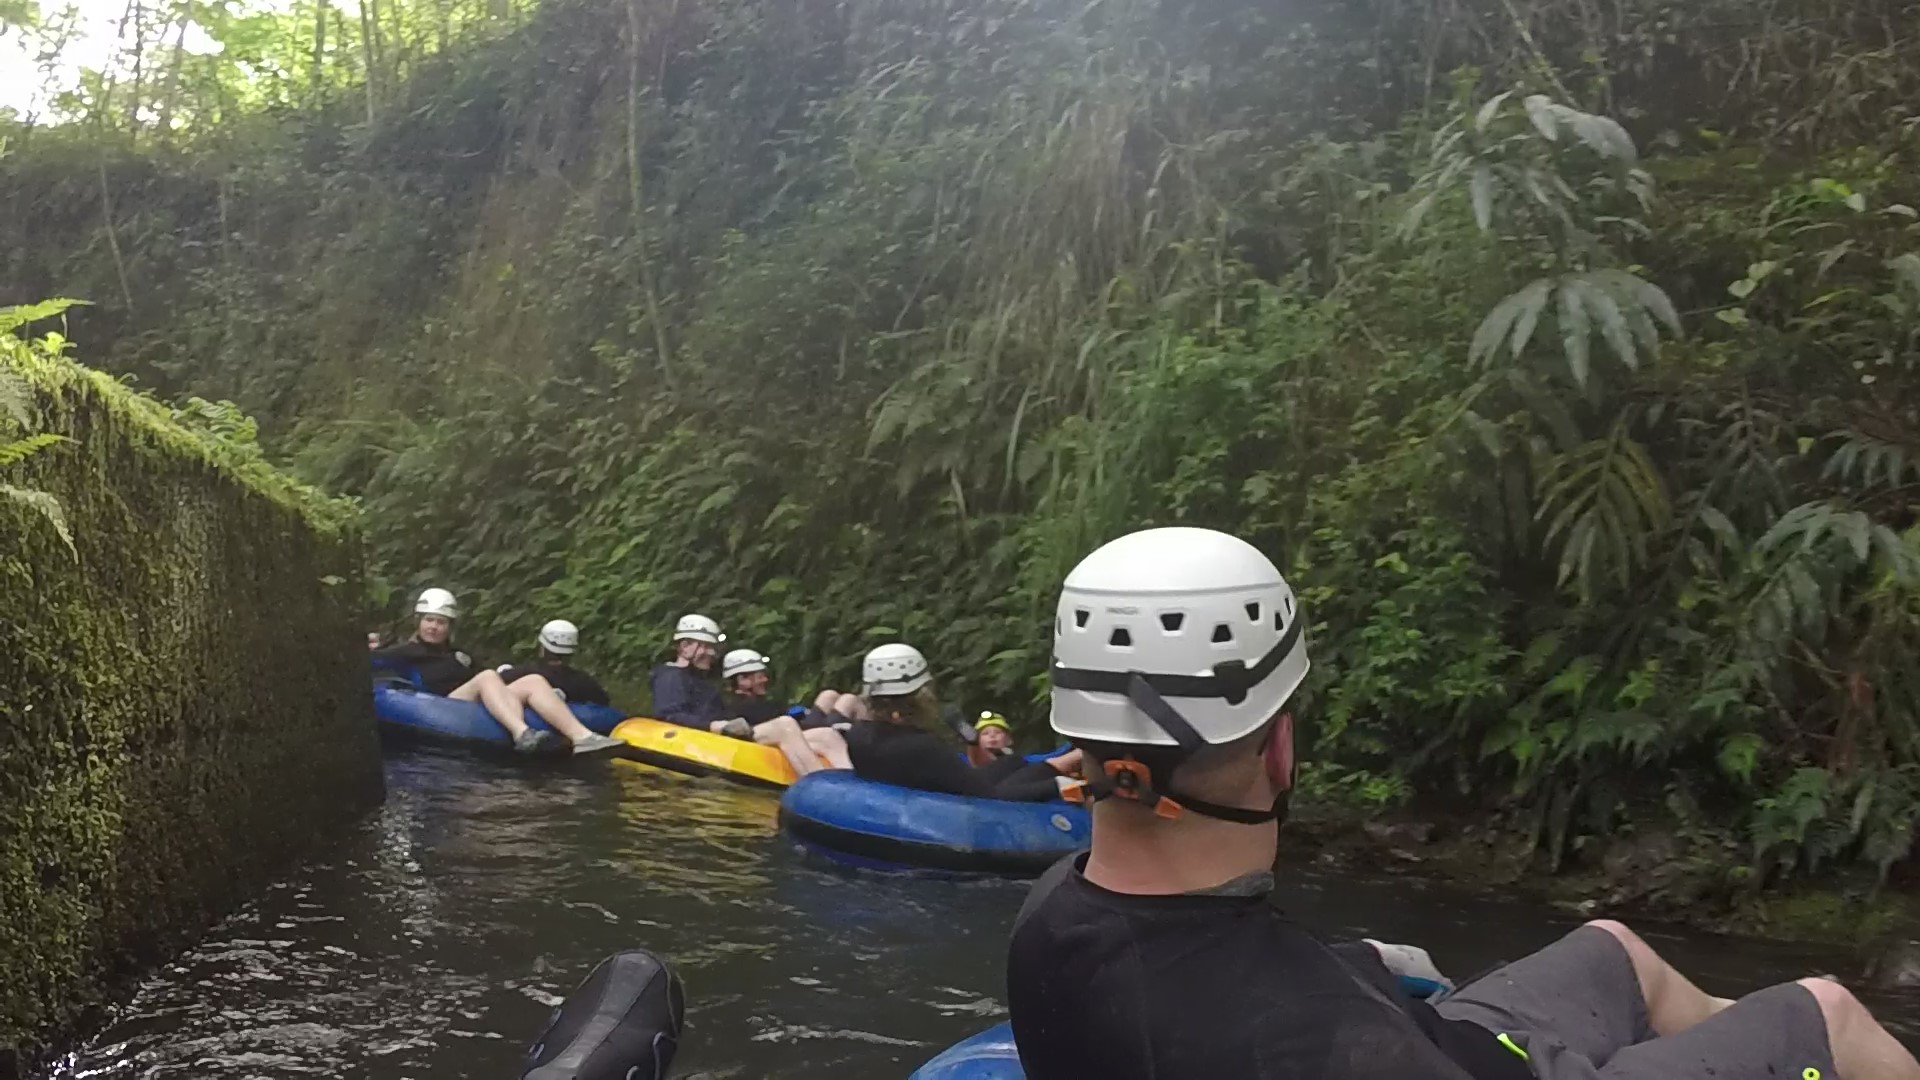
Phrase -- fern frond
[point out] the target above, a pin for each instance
(46, 506)
(15, 452)
(1604, 502)
(16, 399)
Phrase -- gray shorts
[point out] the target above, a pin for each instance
(1575, 1008)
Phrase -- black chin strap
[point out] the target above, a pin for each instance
(1130, 777)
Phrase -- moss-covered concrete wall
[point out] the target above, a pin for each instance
(183, 695)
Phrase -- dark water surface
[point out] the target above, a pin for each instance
(434, 940)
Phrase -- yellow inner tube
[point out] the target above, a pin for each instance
(686, 749)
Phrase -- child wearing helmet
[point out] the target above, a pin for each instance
(1158, 953)
(888, 744)
(439, 668)
(557, 642)
(993, 740)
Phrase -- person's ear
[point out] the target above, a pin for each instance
(1279, 755)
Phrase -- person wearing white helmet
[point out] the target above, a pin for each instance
(1159, 954)
(888, 742)
(438, 668)
(748, 681)
(557, 642)
(683, 688)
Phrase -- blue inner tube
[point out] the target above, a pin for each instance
(991, 1055)
(879, 826)
(432, 716)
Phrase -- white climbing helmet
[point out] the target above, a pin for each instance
(743, 662)
(560, 637)
(436, 602)
(698, 628)
(893, 670)
(1203, 617)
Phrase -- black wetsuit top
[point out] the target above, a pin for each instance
(440, 669)
(908, 757)
(579, 687)
(1208, 987)
(754, 710)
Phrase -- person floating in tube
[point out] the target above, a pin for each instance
(1159, 953)
(559, 640)
(992, 740)
(888, 743)
(684, 694)
(748, 682)
(439, 668)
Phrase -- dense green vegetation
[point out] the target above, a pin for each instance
(149, 788)
(1565, 350)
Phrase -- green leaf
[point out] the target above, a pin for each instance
(1532, 300)
(16, 399)
(1481, 187)
(1493, 329)
(1906, 269)
(1490, 109)
(1574, 328)
(1540, 110)
(1613, 322)
(1732, 316)
(15, 452)
(12, 318)
(1740, 754)
(1743, 288)
(46, 506)
(1721, 527)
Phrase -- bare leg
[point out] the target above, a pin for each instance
(829, 744)
(1862, 1049)
(487, 689)
(825, 700)
(536, 693)
(784, 733)
(852, 706)
(1673, 1003)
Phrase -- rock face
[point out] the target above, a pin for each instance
(183, 692)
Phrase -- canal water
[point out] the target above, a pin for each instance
(434, 941)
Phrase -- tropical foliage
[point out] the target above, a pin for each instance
(1565, 352)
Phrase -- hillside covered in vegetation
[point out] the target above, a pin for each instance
(1563, 350)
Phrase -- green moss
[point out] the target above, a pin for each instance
(183, 703)
(1841, 917)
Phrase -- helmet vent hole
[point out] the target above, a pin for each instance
(1279, 623)
(1253, 611)
(1170, 621)
(1122, 638)
(1080, 617)
(1222, 633)
(1056, 626)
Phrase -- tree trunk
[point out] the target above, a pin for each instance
(367, 76)
(319, 47)
(173, 74)
(139, 55)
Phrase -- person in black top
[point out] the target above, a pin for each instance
(748, 681)
(1158, 955)
(684, 695)
(439, 668)
(558, 641)
(888, 745)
